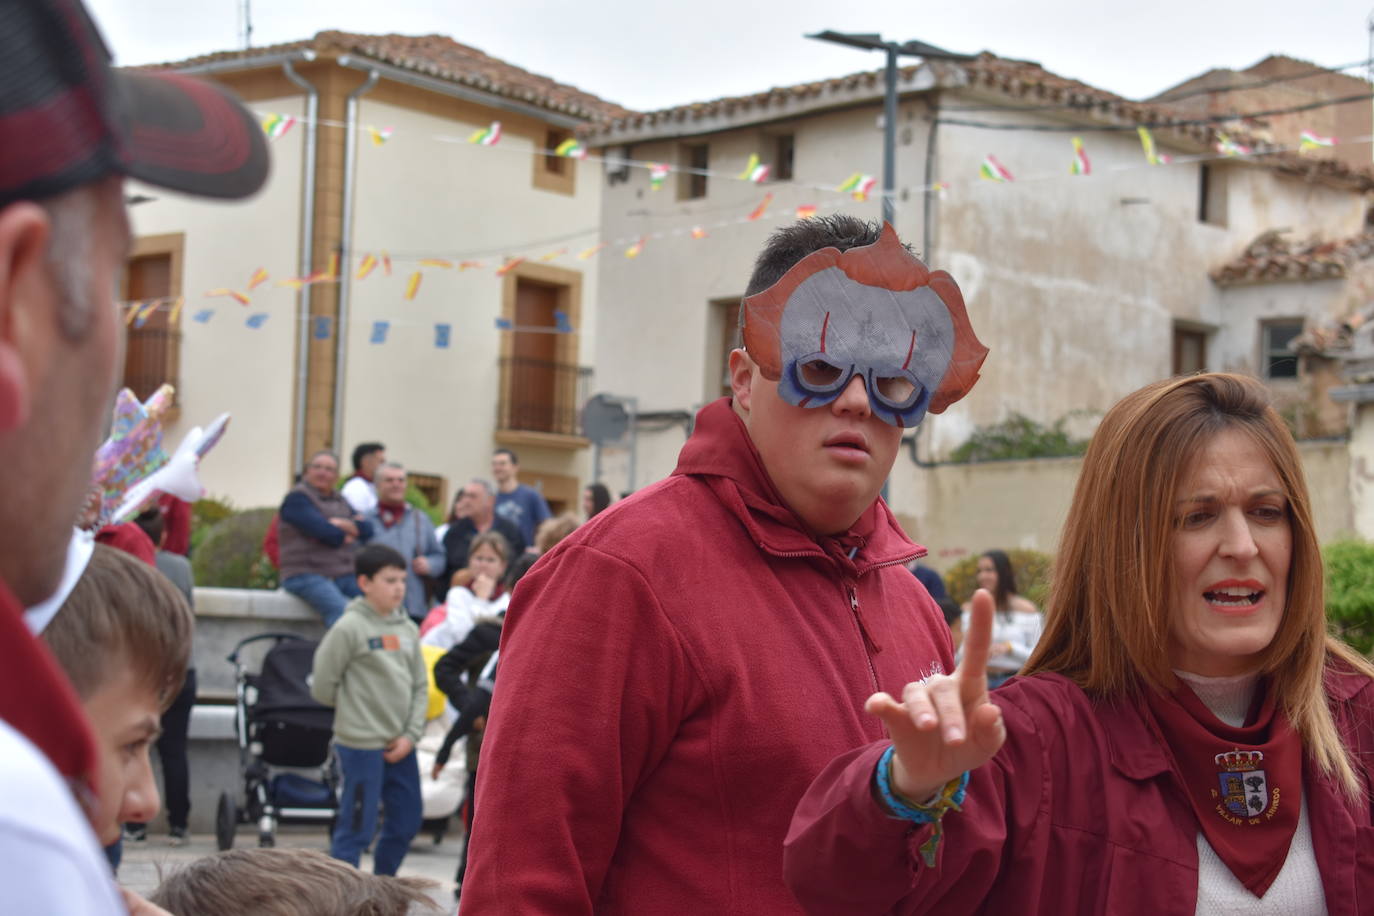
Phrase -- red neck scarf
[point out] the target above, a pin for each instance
(391, 513)
(1245, 784)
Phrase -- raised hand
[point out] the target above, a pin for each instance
(945, 724)
(484, 586)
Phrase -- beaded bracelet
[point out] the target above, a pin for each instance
(949, 798)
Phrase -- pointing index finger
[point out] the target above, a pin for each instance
(973, 670)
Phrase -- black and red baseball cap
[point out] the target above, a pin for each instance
(68, 118)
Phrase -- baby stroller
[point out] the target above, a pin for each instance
(281, 730)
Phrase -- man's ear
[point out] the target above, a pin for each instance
(741, 379)
(24, 287)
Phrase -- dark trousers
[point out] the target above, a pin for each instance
(369, 781)
(469, 806)
(171, 751)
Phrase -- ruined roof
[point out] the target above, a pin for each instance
(437, 56)
(1023, 81)
(1271, 258)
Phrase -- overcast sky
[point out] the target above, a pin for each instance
(648, 55)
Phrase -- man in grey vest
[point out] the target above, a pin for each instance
(319, 536)
(409, 532)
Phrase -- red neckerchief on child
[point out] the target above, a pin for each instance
(1245, 784)
(391, 513)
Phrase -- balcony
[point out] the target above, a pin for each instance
(540, 402)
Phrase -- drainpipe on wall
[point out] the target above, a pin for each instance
(346, 247)
(312, 107)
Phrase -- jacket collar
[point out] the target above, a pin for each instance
(721, 453)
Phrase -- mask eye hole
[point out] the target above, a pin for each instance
(895, 389)
(819, 374)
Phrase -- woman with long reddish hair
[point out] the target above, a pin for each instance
(1186, 737)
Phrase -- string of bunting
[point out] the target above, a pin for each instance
(858, 186)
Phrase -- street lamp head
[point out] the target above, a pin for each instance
(870, 41)
(867, 41)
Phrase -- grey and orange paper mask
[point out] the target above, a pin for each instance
(874, 312)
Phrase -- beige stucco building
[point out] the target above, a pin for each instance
(351, 357)
(1084, 287)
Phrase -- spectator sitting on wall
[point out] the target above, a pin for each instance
(319, 535)
(515, 501)
(455, 511)
(478, 499)
(360, 490)
(409, 532)
(479, 591)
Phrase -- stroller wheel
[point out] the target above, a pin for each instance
(266, 841)
(226, 822)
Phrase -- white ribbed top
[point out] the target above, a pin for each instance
(1297, 891)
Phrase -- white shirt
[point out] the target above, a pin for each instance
(463, 609)
(50, 861)
(1020, 630)
(361, 495)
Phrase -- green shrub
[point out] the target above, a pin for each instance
(1018, 436)
(417, 498)
(205, 514)
(230, 552)
(1031, 568)
(1350, 591)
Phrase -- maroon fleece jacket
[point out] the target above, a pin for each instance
(673, 675)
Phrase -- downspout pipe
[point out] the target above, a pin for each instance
(312, 107)
(346, 248)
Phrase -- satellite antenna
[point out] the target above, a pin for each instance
(246, 23)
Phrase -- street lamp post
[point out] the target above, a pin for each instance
(869, 41)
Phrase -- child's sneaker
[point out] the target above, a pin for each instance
(135, 833)
(177, 836)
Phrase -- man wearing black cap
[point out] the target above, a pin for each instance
(71, 130)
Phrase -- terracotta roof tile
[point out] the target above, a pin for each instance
(442, 57)
(1271, 258)
(1024, 81)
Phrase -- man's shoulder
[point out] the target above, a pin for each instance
(42, 828)
(679, 515)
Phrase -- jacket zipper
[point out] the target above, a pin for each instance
(870, 647)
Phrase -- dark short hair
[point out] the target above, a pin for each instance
(508, 453)
(152, 523)
(790, 244)
(122, 613)
(363, 450)
(374, 558)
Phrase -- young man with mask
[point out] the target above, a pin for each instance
(674, 676)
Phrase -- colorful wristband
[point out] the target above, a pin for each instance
(949, 798)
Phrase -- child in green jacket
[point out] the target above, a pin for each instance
(369, 668)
